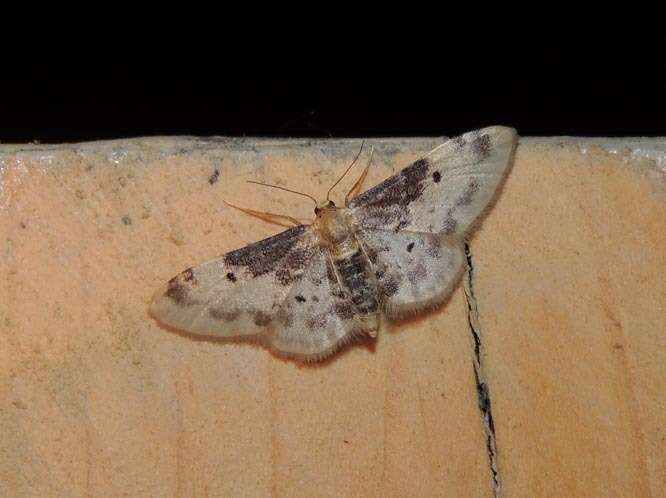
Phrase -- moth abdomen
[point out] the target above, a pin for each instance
(355, 276)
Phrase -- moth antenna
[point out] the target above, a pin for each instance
(346, 171)
(265, 215)
(358, 183)
(285, 189)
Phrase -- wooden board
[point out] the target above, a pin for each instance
(567, 294)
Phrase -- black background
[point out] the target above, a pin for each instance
(559, 94)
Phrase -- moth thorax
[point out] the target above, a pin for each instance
(332, 226)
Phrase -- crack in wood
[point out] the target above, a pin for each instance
(482, 390)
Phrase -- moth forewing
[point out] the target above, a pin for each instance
(443, 192)
(239, 293)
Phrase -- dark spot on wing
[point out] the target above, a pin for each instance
(177, 291)
(300, 298)
(231, 277)
(212, 179)
(178, 288)
(126, 220)
(481, 145)
(410, 246)
(436, 177)
(315, 299)
(262, 319)
(286, 254)
(468, 195)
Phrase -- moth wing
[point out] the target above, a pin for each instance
(317, 317)
(414, 270)
(239, 293)
(445, 191)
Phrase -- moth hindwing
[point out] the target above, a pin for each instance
(395, 249)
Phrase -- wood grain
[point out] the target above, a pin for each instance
(97, 400)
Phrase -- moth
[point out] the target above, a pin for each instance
(393, 250)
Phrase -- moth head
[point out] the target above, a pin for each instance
(325, 206)
(331, 222)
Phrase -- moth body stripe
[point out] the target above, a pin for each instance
(355, 276)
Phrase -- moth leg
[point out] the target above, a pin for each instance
(337, 277)
(361, 244)
(264, 215)
(354, 189)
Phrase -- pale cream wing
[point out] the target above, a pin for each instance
(445, 191)
(414, 270)
(239, 293)
(317, 316)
